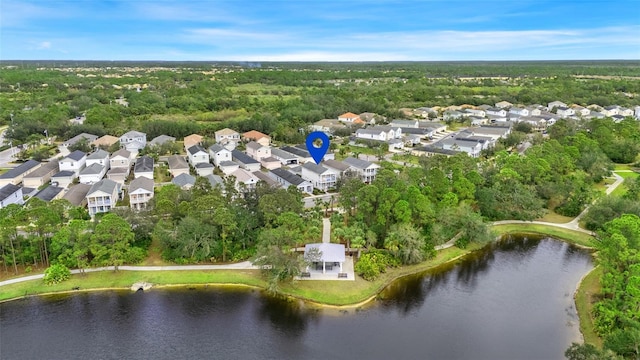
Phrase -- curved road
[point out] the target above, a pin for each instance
(246, 265)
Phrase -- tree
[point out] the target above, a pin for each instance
(111, 241)
(56, 273)
(406, 243)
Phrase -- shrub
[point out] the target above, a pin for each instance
(372, 264)
(56, 273)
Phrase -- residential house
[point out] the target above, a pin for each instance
(433, 125)
(77, 194)
(227, 135)
(102, 196)
(338, 167)
(177, 165)
(41, 175)
(50, 193)
(371, 134)
(185, 181)
(370, 118)
(328, 126)
(120, 159)
(197, 154)
(617, 118)
(228, 167)
(244, 180)
(258, 151)
(432, 151)
(421, 133)
(405, 123)
(625, 112)
(192, 140)
(453, 115)
(133, 141)
(365, 169)
(396, 144)
(286, 178)
(611, 110)
(518, 111)
(10, 194)
(320, 177)
(425, 112)
(493, 131)
(266, 179)
(218, 154)
(270, 163)
(471, 147)
(285, 158)
(143, 167)
(92, 174)
(257, 136)
(161, 140)
(89, 138)
(75, 162)
(351, 118)
(636, 112)
(477, 120)
(140, 193)
(555, 104)
(204, 169)
(302, 154)
(216, 181)
(475, 112)
(63, 178)
(412, 139)
(99, 157)
(564, 111)
(105, 142)
(118, 174)
(580, 111)
(534, 110)
(503, 104)
(496, 112)
(245, 161)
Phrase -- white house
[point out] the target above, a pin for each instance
(476, 112)
(503, 104)
(555, 104)
(371, 134)
(581, 111)
(365, 169)
(244, 180)
(471, 147)
(89, 138)
(337, 166)
(102, 196)
(286, 178)
(245, 161)
(496, 112)
(204, 169)
(63, 178)
(140, 193)
(534, 110)
(218, 154)
(564, 111)
(92, 174)
(133, 141)
(228, 167)
(258, 151)
(227, 135)
(11, 194)
(100, 157)
(350, 118)
(519, 111)
(320, 177)
(143, 167)
(405, 123)
(197, 155)
(120, 159)
(75, 162)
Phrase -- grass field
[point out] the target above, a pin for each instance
(553, 217)
(622, 189)
(571, 236)
(585, 297)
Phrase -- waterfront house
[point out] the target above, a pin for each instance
(102, 196)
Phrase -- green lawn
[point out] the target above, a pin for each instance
(571, 236)
(622, 189)
(586, 296)
(553, 217)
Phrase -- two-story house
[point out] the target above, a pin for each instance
(76, 161)
(258, 151)
(227, 135)
(365, 169)
(286, 178)
(102, 196)
(15, 175)
(257, 136)
(244, 180)
(89, 138)
(351, 118)
(191, 140)
(322, 178)
(99, 157)
(143, 167)
(92, 174)
(133, 141)
(218, 154)
(10, 194)
(197, 155)
(245, 161)
(177, 165)
(120, 159)
(564, 111)
(140, 193)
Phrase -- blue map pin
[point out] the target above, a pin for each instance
(317, 152)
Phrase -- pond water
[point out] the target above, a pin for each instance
(512, 300)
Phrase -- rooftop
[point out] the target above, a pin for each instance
(75, 156)
(77, 193)
(20, 169)
(104, 185)
(288, 176)
(142, 182)
(243, 158)
(177, 162)
(8, 190)
(143, 164)
(97, 155)
(357, 163)
(49, 193)
(183, 179)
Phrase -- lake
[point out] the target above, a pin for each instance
(511, 300)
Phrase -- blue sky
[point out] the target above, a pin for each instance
(315, 30)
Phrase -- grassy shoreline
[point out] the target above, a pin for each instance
(338, 294)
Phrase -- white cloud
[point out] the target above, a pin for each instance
(44, 45)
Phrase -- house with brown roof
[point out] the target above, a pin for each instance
(105, 141)
(351, 118)
(191, 140)
(227, 135)
(257, 136)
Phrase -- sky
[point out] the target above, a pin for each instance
(317, 30)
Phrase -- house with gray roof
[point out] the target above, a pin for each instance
(143, 167)
(133, 141)
(120, 159)
(41, 175)
(118, 174)
(197, 155)
(228, 167)
(266, 179)
(204, 169)
(245, 161)
(177, 165)
(215, 180)
(405, 123)
(365, 169)
(98, 157)
(258, 151)
(432, 151)
(10, 194)
(89, 138)
(140, 193)
(15, 175)
(63, 178)
(102, 196)
(50, 193)
(303, 155)
(218, 154)
(337, 166)
(185, 181)
(75, 162)
(92, 174)
(162, 139)
(320, 177)
(77, 194)
(286, 178)
(285, 157)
